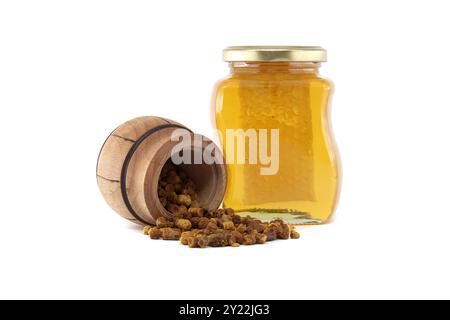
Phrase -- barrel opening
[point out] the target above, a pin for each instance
(206, 177)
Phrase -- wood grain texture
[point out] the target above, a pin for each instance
(145, 167)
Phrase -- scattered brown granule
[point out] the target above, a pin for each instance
(261, 238)
(228, 225)
(210, 228)
(271, 233)
(203, 222)
(294, 234)
(226, 217)
(241, 228)
(202, 242)
(249, 239)
(195, 232)
(235, 244)
(254, 225)
(171, 197)
(235, 237)
(282, 230)
(197, 242)
(219, 223)
(170, 233)
(185, 235)
(169, 188)
(184, 238)
(192, 242)
(217, 240)
(182, 211)
(194, 221)
(196, 212)
(236, 219)
(155, 233)
(162, 222)
(184, 199)
(219, 213)
(183, 224)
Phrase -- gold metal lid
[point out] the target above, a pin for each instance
(275, 53)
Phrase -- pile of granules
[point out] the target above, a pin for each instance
(199, 228)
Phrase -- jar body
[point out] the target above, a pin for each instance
(291, 99)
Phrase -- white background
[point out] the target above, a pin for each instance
(71, 71)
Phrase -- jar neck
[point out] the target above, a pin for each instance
(274, 67)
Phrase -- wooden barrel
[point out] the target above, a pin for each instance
(131, 160)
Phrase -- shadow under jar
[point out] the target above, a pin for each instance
(275, 98)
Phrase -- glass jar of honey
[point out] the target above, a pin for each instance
(272, 117)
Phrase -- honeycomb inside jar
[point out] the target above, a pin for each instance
(292, 98)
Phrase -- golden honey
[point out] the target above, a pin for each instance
(278, 90)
